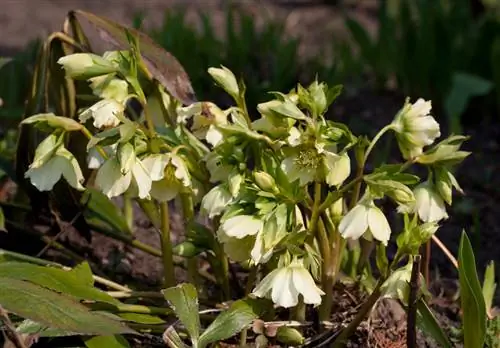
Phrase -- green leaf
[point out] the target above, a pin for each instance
(172, 338)
(55, 310)
(83, 273)
(162, 65)
(227, 324)
(428, 323)
(141, 318)
(464, 87)
(102, 208)
(473, 306)
(183, 299)
(489, 285)
(30, 327)
(49, 122)
(288, 109)
(115, 341)
(2, 221)
(67, 282)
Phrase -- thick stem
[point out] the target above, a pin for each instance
(313, 223)
(128, 211)
(327, 276)
(188, 212)
(166, 247)
(222, 266)
(248, 288)
(299, 312)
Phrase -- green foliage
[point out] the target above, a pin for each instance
(427, 47)
(473, 304)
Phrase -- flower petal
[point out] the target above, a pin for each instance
(355, 222)
(284, 293)
(304, 283)
(110, 180)
(241, 226)
(378, 225)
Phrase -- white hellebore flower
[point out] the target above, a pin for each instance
(428, 203)
(365, 219)
(216, 200)
(169, 174)
(117, 174)
(415, 128)
(286, 283)
(86, 65)
(53, 160)
(104, 113)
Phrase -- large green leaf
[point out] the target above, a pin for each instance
(114, 341)
(162, 65)
(102, 208)
(236, 318)
(473, 306)
(55, 310)
(184, 301)
(30, 327)
(66, 282)
(428, 323)
(464, 87)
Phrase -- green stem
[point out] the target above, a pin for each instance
(135, 294)
(313, 223)
(128, 211)
(166, 247)
(131, 308)
(327, 276)
(222, 265)
(300, 311)
(188, 212)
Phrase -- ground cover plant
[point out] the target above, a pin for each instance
(281, 209)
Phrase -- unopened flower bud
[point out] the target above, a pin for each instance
(265, 181)
(289, 336)
(226, 79)
(86, 65)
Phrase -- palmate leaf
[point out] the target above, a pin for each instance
(162, 65)
(55, 310)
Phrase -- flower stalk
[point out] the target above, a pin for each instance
(166, 247)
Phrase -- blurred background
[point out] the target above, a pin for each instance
(381, 51)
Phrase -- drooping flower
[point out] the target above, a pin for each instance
(216, 200)
(415, 128)
(367, 220)
(114, 180)
(169, 174)
(428, 203)
(105, 113)
(53, 161)
(286, 283)
(86, 65)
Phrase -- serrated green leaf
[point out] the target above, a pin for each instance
(428, 323)
(55, 310)
(183, 299)
(489, 285)
(471, 296)
(66, 282)
(83, 273)
(114, 341)
(100, 207)
(227, 324)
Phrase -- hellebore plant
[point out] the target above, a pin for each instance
(284, 193)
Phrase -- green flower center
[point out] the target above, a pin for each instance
(308, 159)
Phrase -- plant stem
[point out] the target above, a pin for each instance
(166, 247)
(313, 223)
(135, 294)
(222, 263)
(188, 212)
(128, 211)
(131, 308)
(327, 276)
(300, 311)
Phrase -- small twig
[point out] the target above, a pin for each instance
(445, 250)
(411, 323)
(10, 330)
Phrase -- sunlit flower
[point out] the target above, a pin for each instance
(86, 65)
(302, 165)
(415, 128)
(428, 203)
(365, 219)
(219, 171)
(105, 113)
(54, 161)
(111, 180)
(286, 283)
(216, 200)
(109, 87)
(169, 174)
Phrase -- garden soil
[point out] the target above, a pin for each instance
(477, 212)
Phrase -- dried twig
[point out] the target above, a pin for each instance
(10, 330)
